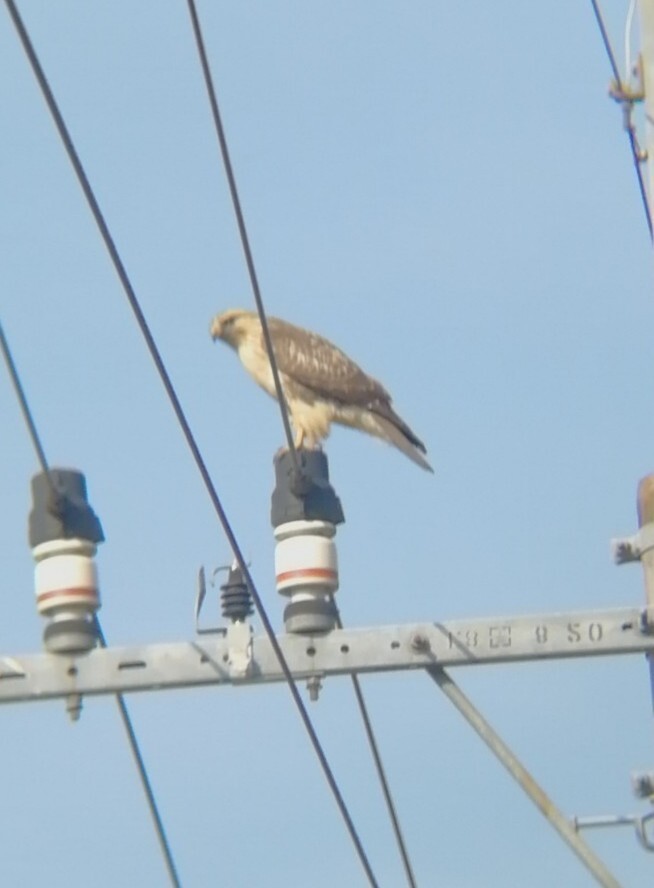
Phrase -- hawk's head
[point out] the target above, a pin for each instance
(233, 326)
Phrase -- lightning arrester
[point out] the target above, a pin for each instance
(63, 534)
(304, 514)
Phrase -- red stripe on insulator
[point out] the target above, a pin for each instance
(68, 593)
(323, 573)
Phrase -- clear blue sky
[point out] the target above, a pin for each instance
(445, 191)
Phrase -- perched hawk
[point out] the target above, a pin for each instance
(320, 383)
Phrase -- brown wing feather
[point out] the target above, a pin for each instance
(321, 367)
(324, 371)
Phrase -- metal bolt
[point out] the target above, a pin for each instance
(74, 706)
(420, 643)
(314, 686)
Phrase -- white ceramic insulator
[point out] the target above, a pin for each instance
(65, 576)
(305, 559)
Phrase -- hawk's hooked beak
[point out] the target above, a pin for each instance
(216, 328)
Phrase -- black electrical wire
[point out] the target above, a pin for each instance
(143, 774)
(24, 406)
(628, 125)
(122, 707)
(183, 422)
(245, 241)
(638, 167)
(605, 40)
(220, 132)
(381, 771)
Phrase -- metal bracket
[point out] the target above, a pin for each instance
(622, 93)
(205, 661)
(239, 650)
(642, 824)
(627, 95)
(199, 601)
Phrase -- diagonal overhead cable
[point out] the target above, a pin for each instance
(381, 772)
(240, 220)
(122, 707)
(622, 95)
(224, 151)
(183, 422)
(22, 401)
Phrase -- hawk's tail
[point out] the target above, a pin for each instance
(397, 432)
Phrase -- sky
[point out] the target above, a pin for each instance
(446, 192)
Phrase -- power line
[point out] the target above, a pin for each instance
(605, 40)
(143, 774)
(637, 159)
(622, 95)
(183, 423)
(122, 707)
(24, 407)
(381, 771)
(224, 150)
(249, 260)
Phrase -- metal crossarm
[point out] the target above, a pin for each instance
(218, 661)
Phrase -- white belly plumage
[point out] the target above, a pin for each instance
(311, 418)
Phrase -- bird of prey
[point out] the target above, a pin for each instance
(321, 384)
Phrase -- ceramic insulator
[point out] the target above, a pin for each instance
(66, 577)
(305, 559)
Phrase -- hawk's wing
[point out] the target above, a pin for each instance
(324, 371)
(318, 365)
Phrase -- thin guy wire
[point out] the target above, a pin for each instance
(381, 772)
(628, 124)
(143, 774)
(249, 260)
(129, 730)
(186, 429)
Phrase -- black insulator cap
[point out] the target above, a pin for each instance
(306, 495)
(235, 597)
(60, 509)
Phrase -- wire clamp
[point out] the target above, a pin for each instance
(627, 549)
(627, 96)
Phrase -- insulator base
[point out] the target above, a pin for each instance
(70, 634)
(310, 615)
